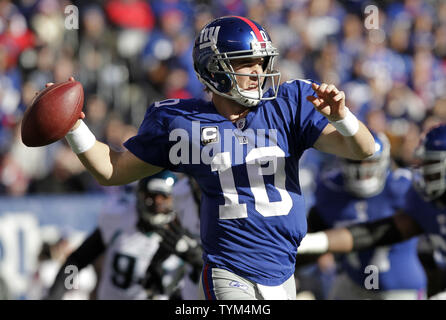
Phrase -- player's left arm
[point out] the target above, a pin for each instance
(362, 236)
(87, 252)
(345, 136)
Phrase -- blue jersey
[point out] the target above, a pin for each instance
(431, 219)
(398, 265)
(252, 209)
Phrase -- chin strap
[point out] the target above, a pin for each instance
(247, 98)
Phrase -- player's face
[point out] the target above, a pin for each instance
(158, 203)
(249, 66)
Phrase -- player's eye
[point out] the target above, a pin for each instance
(248, 63)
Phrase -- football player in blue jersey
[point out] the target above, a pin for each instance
(368, 190)
(243, 148)
(423, 211)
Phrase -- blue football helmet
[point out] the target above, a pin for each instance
(367, 178)
(228, 38)
(430, 177)
(154, 200)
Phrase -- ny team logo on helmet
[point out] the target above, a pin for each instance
(367, 178)
(226, 39)
(430, 178)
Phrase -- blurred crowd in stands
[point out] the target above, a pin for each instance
(130, 53)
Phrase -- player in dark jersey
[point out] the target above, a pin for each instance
(243, 149)
(423, 211)
(368, 190)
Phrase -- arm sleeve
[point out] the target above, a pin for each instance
(381, 232)
(152, 144)
(315, 222)
(88, 251)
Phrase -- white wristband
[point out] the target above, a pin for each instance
(80, 139)
(314, 243)
(347, 126)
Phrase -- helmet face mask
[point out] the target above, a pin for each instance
(225, 40)
(367, 178)
(430, 176)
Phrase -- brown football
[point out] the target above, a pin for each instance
(52, 113)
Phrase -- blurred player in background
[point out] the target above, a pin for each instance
(423, 211)
(244, 158)
(54, 251)
(139, 250)
(368, 190)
